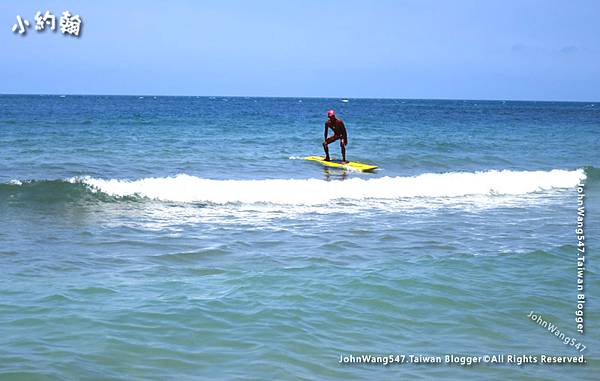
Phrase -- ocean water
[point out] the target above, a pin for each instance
(185, 238)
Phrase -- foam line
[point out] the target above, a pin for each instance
(185, 188)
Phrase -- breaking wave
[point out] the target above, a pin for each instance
(185, 188)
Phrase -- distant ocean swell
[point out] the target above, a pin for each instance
(186, 188)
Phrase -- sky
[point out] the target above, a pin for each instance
(521, 50)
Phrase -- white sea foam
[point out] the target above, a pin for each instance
(185, 188)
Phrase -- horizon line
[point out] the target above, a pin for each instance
(300, 97)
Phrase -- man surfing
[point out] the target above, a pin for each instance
(339, 132)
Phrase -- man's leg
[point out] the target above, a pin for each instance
(343, 148)
(326, 150)
(328, 141)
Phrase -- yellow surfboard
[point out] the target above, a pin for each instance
(338, 164)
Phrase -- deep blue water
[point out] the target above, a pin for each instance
(185, 237)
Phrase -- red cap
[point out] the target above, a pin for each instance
(330, 113)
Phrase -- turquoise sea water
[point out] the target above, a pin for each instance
(184, 238)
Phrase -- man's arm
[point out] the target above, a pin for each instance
(325, 132)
